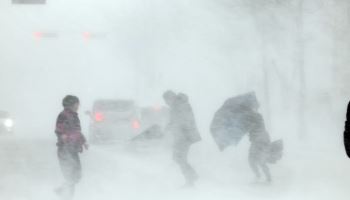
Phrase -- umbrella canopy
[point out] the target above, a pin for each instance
(233, 120)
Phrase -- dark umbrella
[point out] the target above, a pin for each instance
(233, 120)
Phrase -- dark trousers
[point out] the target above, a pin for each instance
(258, 153)
(180, 155)
(69, 161)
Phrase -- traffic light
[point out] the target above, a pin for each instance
(45, 35)
(28, 1)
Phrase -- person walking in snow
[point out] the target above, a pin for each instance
(239, 116)
(259, 150)
(70, 142)
(183, 127)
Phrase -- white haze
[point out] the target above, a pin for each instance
(208, 49)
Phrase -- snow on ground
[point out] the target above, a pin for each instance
(29, 171)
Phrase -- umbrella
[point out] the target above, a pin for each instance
(233, 120)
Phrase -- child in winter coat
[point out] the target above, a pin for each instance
(70, 142)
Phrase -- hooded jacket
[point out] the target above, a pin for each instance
(182, 122)
(257, 131)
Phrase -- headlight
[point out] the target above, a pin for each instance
(8, 123)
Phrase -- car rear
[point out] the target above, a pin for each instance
(114, 120)
(155, 115)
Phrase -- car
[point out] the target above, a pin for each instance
(6, 122)
(154, 120)
(113, 120)
(154, 115)
(153, 136)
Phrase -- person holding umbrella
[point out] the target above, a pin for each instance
(238, 117)
(259, 146)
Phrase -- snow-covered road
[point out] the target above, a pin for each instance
(29, 171)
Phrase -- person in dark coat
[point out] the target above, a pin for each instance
(182, 126)
(70, 142)
(238, 117)
(260, 142)
(259, 151)
(347, 132)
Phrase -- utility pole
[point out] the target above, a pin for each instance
(300, 58)
(259, 16)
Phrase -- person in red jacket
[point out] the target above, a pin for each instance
(70, 142)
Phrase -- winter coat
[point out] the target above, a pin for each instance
(347, 132)
(182, 123)
(257, 130)
(68, 130)
(261, 149)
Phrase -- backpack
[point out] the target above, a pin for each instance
(275, 151)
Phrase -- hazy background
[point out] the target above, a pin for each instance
(294, 54)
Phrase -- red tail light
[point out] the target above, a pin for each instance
(136, 124)
(38, 35)
(99, 117)
(86, 35)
